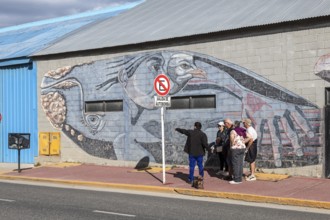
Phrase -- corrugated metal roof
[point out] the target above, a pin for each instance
(23, 40)
(156, 20)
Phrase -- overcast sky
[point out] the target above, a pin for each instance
(15, 12)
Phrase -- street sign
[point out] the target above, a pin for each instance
(162, 88)
(19, 141)
(162, 85)
(162, 101)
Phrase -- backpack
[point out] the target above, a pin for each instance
(198, 183)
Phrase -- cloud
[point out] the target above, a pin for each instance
(15, 12)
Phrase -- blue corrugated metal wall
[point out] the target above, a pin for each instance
(1, 123)
(18, 106)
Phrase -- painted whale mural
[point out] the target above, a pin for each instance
(287, 124)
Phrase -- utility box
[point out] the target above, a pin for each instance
(54, 148)
(49, 143)
(43, 143)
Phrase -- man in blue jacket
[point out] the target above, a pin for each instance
(195, 147)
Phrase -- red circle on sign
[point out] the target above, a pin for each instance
(162, 85)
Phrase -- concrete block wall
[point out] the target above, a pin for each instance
(287, 59)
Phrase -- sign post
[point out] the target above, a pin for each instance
(19, 141)
(162, 88)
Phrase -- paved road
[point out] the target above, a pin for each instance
(19, 201)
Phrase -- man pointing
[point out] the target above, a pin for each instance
(195, 148)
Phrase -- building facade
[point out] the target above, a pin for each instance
(102, 100)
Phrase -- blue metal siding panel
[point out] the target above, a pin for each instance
(1, 111)
(19, 109)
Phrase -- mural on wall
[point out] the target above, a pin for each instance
(287, 124)
(322, 67)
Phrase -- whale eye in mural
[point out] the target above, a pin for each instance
(287, 124)
(94, 122)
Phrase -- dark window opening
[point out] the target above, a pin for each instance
(327, 96)
(104, 106)
(193, 102)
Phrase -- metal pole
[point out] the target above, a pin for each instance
(163, 143)
(19, 159)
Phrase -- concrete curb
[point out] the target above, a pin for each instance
(90, 183)
(190, 192)
(256, 198)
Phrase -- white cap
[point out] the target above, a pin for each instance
(221, 123)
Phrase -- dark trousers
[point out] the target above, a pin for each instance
(237, 157)
(226, 157)
(223, 162)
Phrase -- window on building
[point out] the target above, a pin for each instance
(193, 102)
(327, 96)
(104, 106)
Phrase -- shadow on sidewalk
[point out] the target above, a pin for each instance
(21, 169)
(151, 174)
(213, 173)
(180, 175)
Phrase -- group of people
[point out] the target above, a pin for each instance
(233, 144)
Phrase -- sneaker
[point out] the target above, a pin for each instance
(233, 182)
(251, 178)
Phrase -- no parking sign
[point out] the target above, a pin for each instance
(162, 88)
(162, 85)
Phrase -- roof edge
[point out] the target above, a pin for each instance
(70, 17)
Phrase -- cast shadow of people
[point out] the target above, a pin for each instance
(212, 165)
(183, 176)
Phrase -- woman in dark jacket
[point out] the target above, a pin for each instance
(219, 143)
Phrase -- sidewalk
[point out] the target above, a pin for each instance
(278, 189)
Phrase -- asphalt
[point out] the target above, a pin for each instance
(269, 188)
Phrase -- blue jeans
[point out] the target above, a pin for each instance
(192, 164)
